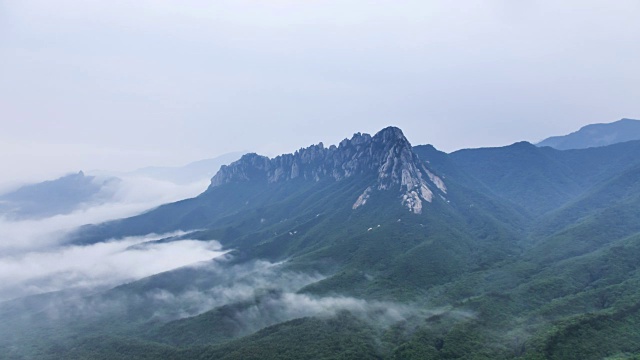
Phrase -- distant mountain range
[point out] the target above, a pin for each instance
(596, 135)
(80, 191)
(374, 249)
(190, 173)
(68, 193)
(55, 197)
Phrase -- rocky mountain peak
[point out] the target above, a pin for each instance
(388, 155)
(390, 134)
(397, 164)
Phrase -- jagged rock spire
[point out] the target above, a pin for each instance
(388, 154)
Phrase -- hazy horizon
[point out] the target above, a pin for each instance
(119, 86)
(9, 184)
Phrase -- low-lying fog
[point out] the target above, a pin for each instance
(34, 257)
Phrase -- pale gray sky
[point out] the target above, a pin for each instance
(123, 84)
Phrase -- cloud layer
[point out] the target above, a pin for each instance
(35, 258)
(102, 264)
(124, 198)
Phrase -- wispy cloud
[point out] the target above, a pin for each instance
(265, 294)
(101, 264)
(128, 197)
(35, 258)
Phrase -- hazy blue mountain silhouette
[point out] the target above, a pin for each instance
(55, 197)
(596, 135)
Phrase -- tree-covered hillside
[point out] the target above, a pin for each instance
(374, 249)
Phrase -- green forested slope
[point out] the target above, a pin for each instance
(532, 253)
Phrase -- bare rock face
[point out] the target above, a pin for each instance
(388, 155)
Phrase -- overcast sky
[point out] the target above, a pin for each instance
(123, 84)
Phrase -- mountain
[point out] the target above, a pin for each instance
(318, 207)
(358, 170)
(373, 249)
(387, 155)
(541, 179)
(81, 191)
(596, 135)
(54, 197)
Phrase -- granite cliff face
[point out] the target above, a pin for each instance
(387, 154)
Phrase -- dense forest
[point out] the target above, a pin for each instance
(529, 252)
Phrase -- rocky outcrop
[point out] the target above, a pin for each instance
(387, 154)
